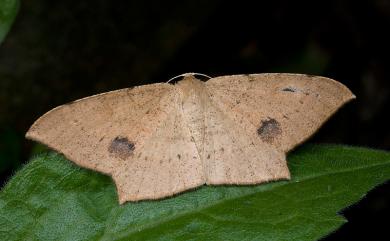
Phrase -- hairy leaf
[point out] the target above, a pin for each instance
(51, 199)
(8, 11)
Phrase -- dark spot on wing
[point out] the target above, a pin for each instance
(121, 147)
(178, 156)
(208, 156)
(309, 75)
(269, 129)
(289, 89)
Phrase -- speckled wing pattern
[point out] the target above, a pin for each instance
(285, 109)
(136, 135)
(256, 119)
(82, 128)
(161, 139)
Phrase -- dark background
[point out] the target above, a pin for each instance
(59, 51)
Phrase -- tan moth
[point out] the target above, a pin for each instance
(161, 139)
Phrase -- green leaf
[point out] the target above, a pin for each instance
(8, 11)
(52, 199)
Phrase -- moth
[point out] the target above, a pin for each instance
(161, 139)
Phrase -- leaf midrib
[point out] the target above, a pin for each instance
(150, 225)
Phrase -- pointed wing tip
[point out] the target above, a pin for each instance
(27, 135)
(344, 92)
(30, 134)
(349, 96)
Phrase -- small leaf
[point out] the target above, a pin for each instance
(8, 11)
(51, 199)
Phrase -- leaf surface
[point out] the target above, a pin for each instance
(8, 11)
(52, 199)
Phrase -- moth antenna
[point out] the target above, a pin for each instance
(188, 74)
